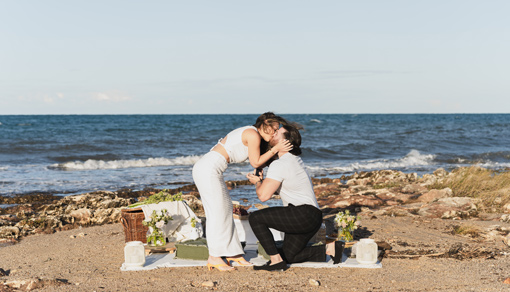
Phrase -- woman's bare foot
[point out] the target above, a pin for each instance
(240, 260)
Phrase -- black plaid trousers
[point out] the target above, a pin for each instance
(299, 223)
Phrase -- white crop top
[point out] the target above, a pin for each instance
(236, 150)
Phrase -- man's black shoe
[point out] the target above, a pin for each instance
(268, 267)
(339, 250)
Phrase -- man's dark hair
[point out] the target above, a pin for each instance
(294, 138)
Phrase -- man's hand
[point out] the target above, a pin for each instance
(253, 178)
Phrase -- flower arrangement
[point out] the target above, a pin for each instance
(346, 224)
(156, 222)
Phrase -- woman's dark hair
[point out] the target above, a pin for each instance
(265, 122)
(292, 134)
(267, 119)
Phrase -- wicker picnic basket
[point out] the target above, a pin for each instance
(134, 230)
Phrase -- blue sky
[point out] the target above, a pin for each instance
(171, 57)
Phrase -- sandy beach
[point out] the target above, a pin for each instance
(89, 259)
(432, 241)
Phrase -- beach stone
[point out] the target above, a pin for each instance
(107, 204)
(33, 284)
(101, 216)
(440, 172)
(327, 189)
(414, 189)
(428, 179)
(9, 232)
(506, 208)
(450, 208)
(369, 201)
(505, 218)
(394, 211)
(507, 281)
(433, 195)
(209, 284)
(81, 216)
(314, 282)
(461, 202)
(16, 284)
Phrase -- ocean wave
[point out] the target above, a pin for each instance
(413, 159)
(315, 121)
(494, 165)
(92, 164)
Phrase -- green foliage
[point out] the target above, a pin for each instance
(163, 196)
(491, 187)
(469, 230)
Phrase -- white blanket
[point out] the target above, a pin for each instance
(155, 261)
(180, 228)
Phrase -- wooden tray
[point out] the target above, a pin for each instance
(168, 248)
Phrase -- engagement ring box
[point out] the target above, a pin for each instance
(192, 249)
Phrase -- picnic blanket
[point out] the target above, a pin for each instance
(155, 261)
(180, 228)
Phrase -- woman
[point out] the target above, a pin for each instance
(240, 144)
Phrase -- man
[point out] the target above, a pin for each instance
(299, 219)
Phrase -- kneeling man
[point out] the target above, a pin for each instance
(299, 219)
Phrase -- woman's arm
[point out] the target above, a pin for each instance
(252, 139)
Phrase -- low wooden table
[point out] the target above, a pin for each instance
(168, 248)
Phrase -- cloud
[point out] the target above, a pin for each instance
(354, 73)
(110, 96)
(48, 99)
(38, 97)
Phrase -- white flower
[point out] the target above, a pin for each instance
(160, 224)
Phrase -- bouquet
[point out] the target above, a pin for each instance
(156, 237)
(346, 224)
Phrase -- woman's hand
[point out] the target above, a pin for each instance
(282, 146)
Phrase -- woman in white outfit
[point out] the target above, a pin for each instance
(240, 144)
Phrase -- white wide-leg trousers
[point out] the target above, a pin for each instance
(222, 238)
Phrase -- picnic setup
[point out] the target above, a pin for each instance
(165, 232)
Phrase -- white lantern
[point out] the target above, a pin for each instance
(366, 251)
(134, 254)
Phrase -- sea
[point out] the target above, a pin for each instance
(73, 154)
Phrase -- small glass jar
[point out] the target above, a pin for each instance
(345, 234)
(366, 251)
(156, 238)
(134, 254)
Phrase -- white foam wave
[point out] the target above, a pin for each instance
(315, 121)
(413, 158)
(116, 164)
(2, 168)
(493, 165)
